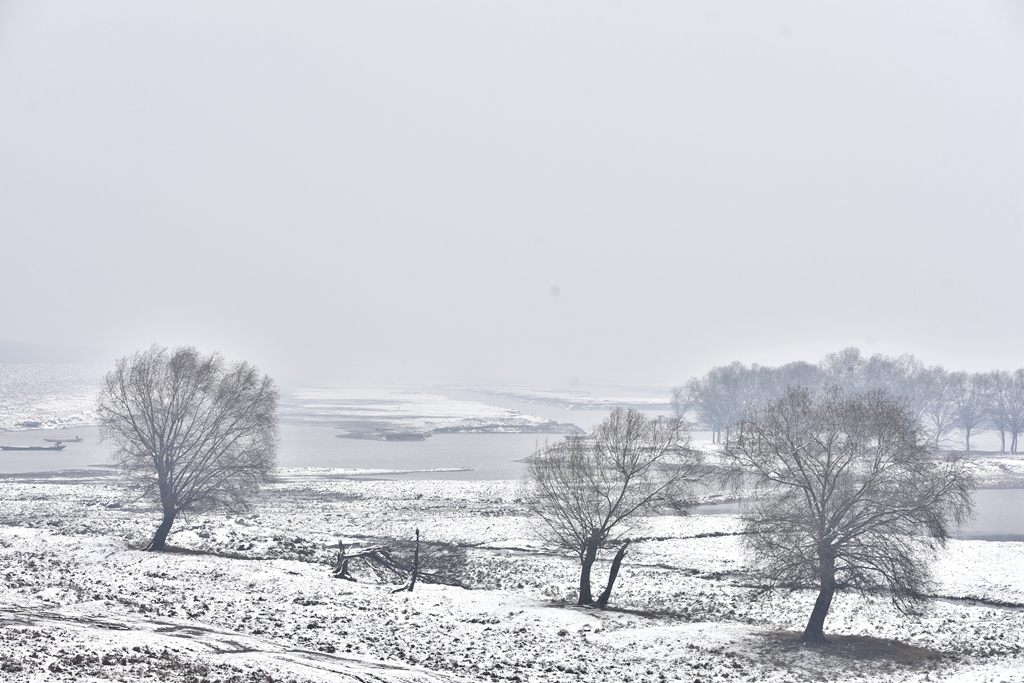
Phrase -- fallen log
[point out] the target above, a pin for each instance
(376, 557)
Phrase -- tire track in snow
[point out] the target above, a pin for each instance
(216, 644)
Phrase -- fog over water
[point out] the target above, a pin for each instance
(537, 193)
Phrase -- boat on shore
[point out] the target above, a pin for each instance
(55, 447)
(77, 439)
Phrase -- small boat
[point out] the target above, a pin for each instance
(56, 447)
(77, 439)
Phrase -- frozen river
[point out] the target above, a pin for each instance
(999, 515)
(488, 456)
(1000, 512)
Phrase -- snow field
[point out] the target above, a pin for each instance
(75, 585)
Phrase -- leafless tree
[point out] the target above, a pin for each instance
(937, 407)
(942, 400)
(194, 432)
(1006, 405)
(720, 396)
(848, 496)
(588, 490)
(796, 374)
(997, 404)
(969, 395)
(848, 369)
(683, 401)
(1015, 411)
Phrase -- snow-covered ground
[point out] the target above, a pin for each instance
(253, 599)
(997, 470)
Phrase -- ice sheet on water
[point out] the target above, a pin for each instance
(575, 400)
(48, 395)
(366, 411)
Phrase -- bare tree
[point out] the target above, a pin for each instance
(1006, 405)
(683, 401)
(937, 407)
(588, 490)
(721, 395)
(996, 404)
(796, 374)
(192, 431)
(969, 395)
(848, 496)
(848, 369)
(942, 400)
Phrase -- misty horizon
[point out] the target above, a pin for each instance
(383, 340)
(528, 194)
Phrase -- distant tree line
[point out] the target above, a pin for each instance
(948, 404)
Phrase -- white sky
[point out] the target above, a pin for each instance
(388, 192)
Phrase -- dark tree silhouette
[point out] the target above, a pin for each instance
(848, 495)
(587, 490)
(192, 431)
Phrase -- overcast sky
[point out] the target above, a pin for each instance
(514, 192)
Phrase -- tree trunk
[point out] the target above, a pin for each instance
(815, 632)
(411, 583)
(341, 568)
(415, 563)
(1002, 440)
(602, 601)
(1013, 443)
(589, 555)
(968, 440)
(160, 538)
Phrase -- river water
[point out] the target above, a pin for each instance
(480, 456)
(999, 512)
(999, 515)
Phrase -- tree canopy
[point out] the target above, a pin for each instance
(193, 431)
(848, 494)
(587, 490)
